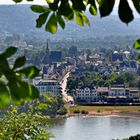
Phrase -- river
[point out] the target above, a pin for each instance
(95, 128)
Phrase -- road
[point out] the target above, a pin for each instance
(67, 98)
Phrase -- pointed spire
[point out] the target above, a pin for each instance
(47, 48)
(47, 44)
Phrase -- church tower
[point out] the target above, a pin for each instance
(47, 49)
(46, 55)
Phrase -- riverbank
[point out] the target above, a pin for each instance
(117, 111)
(124, 114)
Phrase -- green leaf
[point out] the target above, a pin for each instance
(4, 66)
(85, 19)
(100, 2)
(29, 72)
(61, 21)
(54, 6)
(14, 90)
(28, 91)
(9, 52)
(39, 9)
(65, 10)
(78, 5)
(1, 73)
(42, 19)
(20, 61)
(33, 91)
(93, 10)
(21, 91)
(93, 7)
(106, 7)
(70, 17)
(51, 25)
(138, 59)
(79, 19)
(137, 5)
(17, 1)
(125, 12)
(137, 44)
(4, 96)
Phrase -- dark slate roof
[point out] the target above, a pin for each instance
(117, 56)
(133, 64)
(55, 56)
(44, 70)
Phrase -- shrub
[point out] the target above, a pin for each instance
(76, 111)
(62, 111)
(137, 137)
(84, 112)
(23, 126)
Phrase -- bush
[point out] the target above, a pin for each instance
(84, 112)
(23, 126)
(76, 111)
(62, 111)
(98, 111)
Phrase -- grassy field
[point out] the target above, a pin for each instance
(106, 108)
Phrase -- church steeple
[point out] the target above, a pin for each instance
(46, 59)
(47, 48)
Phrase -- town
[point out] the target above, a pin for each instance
(88, 76)
(84, 75)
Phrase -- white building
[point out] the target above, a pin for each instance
(119, 91)
(123, 91)
(45, 86)
(115, 93)
(134, 93)
(86, 94)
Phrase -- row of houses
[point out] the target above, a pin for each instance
(114, 93)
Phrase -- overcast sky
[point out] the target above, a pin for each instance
(35, 1)
(24, 2)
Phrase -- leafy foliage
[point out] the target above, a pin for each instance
(23, 126)
(137, 47)
(137, 44)
(137, 137)
(92, 79)
(49, 104)
(105, 7)
(125, 12)
(12, 86)
(31, 120)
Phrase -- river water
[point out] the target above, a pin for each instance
(95, 128)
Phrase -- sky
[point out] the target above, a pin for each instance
(24, 2)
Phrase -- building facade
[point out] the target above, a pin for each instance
(86, 95)
(52, 86)
(114, 94)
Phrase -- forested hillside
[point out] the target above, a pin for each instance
(21, 20)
